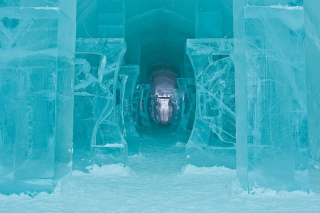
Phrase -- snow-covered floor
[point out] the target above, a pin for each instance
(158, 181)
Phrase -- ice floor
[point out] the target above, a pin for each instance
(157, 181)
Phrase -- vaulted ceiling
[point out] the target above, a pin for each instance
(160, 27)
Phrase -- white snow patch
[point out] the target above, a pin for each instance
(266, 192)
(180, 144)
(46, 8)
(78, 173)
(193, 170)
(41, 8)
(137, 157)
(114, 145)
(286, 7)
(104, 171)
(316, 164)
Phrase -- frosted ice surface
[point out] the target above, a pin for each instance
(36, 93)
(212, 141)
(312, 23)
(273, 151)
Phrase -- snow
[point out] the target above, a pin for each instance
(287, 7)
(157, 180)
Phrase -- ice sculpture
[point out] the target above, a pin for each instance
(37, 41)
(212, 141)
(96, 126)
(129, 75)
(272, 130)
(189, 102)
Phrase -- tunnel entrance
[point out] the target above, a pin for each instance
(154, 86)
(162, 99)
(158, 33)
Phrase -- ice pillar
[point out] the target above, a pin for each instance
(212, 141)
(37, 42)
(96, 127)
(312, 23)
(129, 74)
(272, 137)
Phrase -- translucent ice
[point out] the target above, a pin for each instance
(312, 23)
(271, 91)
(97, 97)
(213, 136)
(37, 42)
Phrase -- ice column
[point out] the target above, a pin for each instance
(272, 137)
(312, 23)
(129, 74)
(37, 41)
(212, 141)
(96, 127)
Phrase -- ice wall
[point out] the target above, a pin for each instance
(37, 42)
(271, 94)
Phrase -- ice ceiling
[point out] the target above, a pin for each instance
(237, 81)
(156, 30)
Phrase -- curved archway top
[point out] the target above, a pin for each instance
(142, 23)
(163, 51)
(183, 7)
(162, 34)
(160, 52)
